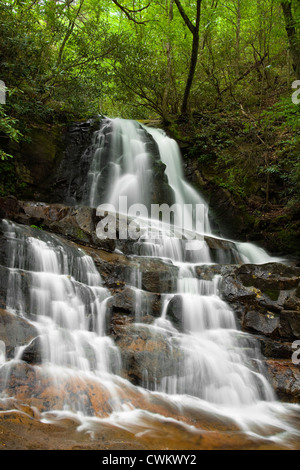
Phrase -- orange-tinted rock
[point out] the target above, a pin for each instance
(285, 378)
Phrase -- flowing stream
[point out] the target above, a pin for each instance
(216, 370)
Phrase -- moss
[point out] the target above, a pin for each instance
(273, 294)
(10, 181)
(80, 234)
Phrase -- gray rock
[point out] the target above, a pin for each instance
(266, 324)
(32, 354)
(15, 332)
(290, 324)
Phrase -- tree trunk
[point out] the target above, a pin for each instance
(195, 30)
(192, 70)
(169, 71)
(293, 37)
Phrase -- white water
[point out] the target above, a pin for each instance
(63, 298)
(127, 173)
(216, 368)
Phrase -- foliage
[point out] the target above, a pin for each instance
(86, 56)
(8, 130)
(284, 119)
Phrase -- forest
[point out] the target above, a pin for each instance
(220, 77)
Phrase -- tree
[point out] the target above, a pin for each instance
(195, 30)
(292, 24)
(8, 130)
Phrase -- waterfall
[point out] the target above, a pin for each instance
(58, 289)
(121, 168)
(213, 367)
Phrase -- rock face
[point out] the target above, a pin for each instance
(147, 354)
(263, 297)
(285, 378)
(55, 165)
(68, 180)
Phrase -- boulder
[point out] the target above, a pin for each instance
(267, 323)
(135, 302)
(269, 278)
(148, 354)
(290, 324)
(32, 354)
(15, 332)
(174, 312)
(275, 349)
(285, 378)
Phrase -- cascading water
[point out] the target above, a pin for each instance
(58, 289)
(121, 168)
(215, 368)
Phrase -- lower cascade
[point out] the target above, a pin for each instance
(191, 373)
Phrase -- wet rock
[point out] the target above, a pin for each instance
(32, 354)
(80, 224)
(19, 379)
(290, 324)
(9, 280)
(269, 278)
(158, 276)
(275, 349)
(136, 303)
(147, 354)
(266, 324)
(68, 179)
(265, 298)
(222, 251)
(174, 312)
(208, 272)
(4, 275)
(124, 301)
(285, 378)
(118, 271)
(75, 223)
(15, 332)
(37, 388)
(292, 303)
(233, 291)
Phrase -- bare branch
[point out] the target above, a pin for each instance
(129, 12)
(68, 34)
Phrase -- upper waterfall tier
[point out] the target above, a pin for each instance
(143, 165)
(138, 170)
